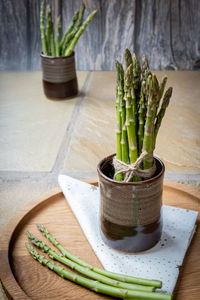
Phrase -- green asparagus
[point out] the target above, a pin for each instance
(69, 29)
(58, 36)
(42, 28)
(119, 118)
(85, 271)
(70, 49)
(95, 285)
(120, 277)
(142, 93)
(51, 44)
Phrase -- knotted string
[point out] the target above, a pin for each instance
(131, 170)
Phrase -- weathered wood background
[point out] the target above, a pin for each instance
(167, 31)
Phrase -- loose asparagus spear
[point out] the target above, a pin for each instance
(58, 36)
(95, 285)
(70, 49)
(85, 271)
(120, 277)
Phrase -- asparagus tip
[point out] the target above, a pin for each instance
(40, 226)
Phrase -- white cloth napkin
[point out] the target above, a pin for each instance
(161, 262)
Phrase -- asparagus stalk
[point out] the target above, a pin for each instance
(130, 120)
(163, 108)
(52, 41)
(120, 277)
(75, 29)
(136, 77)
(156, 96)
(119, 120)
(162, 86)
(141, 115)
(145, 67)
(124, 137)
(148, 129)
(69, 29)
(42, 28)
(128, 58)
(58, 36)
(70, 49)
(80, 15)
(85, 271)
(48, 29)
(95, 285)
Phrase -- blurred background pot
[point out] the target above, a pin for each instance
(59, 76)
(130, 212)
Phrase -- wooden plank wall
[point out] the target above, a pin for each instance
(167, 31)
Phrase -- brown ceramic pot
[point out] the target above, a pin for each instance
(59, 76)
(130, 212)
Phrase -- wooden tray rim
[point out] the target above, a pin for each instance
(8, 280)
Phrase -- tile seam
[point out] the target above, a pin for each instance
(21, 175)
(63, 150)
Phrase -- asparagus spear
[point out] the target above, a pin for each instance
(95, 285)
(75, 29)
(162, 86)
(148, 129)
(136, 77)
(80, 15)
(119, 120)
(70, 49)
(124, 137)
(52, 41)
(163, 108)
(128, 58)
(130, 118)
(120, 277)
(58, 36)
(42, 28)
(85, 271)
(69, 29)
(145, 67)
(141, 115)
(48, 29)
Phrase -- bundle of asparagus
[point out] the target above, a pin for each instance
(55, 46)
(105, 282)
(139, 112)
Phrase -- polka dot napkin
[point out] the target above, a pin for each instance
(161, 262)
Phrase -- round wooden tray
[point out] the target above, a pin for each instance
(24, 278)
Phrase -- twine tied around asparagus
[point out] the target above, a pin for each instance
(131, 170)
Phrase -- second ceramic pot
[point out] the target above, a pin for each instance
(59, 76)
(130, 212)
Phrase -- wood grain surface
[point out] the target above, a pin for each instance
(167, 31)
(24, 278)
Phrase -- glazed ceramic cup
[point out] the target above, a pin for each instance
(130, 212)
(59, 76)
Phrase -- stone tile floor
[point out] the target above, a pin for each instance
(42, 138)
